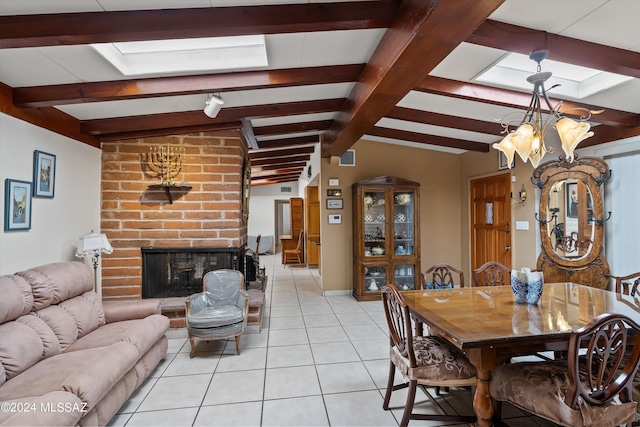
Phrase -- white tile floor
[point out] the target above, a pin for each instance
(318, 361)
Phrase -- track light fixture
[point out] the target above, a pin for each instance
(213, 106)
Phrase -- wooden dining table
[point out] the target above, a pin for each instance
(491, 328)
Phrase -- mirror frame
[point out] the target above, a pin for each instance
(593, 172)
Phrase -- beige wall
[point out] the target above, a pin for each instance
(439, 176)
(524, 243)
(444, 206)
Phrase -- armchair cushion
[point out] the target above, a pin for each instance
(210, 317)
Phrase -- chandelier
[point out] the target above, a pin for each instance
(528, 138)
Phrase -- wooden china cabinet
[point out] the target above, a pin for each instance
(386, 230)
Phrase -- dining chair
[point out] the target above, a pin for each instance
(423, 361)
(294, 256)
(629, 285)
(219, 312)
(492, 273)
(593, 387)
(442, 276)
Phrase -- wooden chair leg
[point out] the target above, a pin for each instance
(408, 407)
(193, 348)
(238, 344)
(387, 396)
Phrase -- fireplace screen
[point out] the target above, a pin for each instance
(178, 272)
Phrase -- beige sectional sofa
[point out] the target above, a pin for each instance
(65, 357)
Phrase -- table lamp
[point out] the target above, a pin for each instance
(94, 244)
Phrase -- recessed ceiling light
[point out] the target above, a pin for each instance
(185, 55)
(574, 81)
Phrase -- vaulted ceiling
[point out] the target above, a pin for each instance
(400, 72)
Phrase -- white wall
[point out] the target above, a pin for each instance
(56, 224)
(262, 217)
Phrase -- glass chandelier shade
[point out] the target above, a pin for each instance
(528, 137)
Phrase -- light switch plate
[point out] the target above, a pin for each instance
(522, 225)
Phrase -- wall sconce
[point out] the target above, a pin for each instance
(522, 196)
(213, 106)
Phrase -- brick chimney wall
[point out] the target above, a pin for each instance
(134, 216)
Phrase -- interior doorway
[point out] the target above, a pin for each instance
(283, 222)
(490, 220)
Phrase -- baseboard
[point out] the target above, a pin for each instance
(336, 293)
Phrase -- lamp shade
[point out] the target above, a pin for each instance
(213, 106)
(93, 243)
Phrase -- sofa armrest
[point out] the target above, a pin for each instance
(117, 311)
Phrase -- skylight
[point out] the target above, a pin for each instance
(185, 55)
(575, 81)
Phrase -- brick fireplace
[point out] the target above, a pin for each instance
(135, 215)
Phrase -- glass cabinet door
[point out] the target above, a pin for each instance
(374, 224)
(403, 222)
(404, 277)
(375, 277)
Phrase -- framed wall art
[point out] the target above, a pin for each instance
(44, 174)
(334, 203)
(502, 161)
(17, 205)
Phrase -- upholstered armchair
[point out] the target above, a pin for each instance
(221, 311)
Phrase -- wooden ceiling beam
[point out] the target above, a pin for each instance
(274, 180)
(279, 160)
(47, 118)
(288, 164)
(281, 171)
(121, 26)
(277, 153)
(181, 130)
(422, 34)
(422, 138)
(289, 142)
(76, 93)
(198, 118)
(444, 120)
(519, 100)
(320, 125)
(278, 176)
(513, 38)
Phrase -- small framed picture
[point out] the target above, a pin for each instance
(334, 203)
(44, 174)
(502, 161)
(334, 192)
(17, 205)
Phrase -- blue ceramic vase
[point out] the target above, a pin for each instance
(527, 285)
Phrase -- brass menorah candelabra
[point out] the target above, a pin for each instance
(165, 162)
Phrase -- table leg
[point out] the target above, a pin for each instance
(484, 361)
(482, 404)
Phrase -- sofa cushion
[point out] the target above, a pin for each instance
(50, 343)
(89, 374)
(86, 311)
(17, 298)
(56, 282)
(142, 333)
(20, 348)
(61, 323)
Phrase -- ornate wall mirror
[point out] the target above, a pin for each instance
(571, 220)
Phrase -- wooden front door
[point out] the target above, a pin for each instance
(490, 220)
